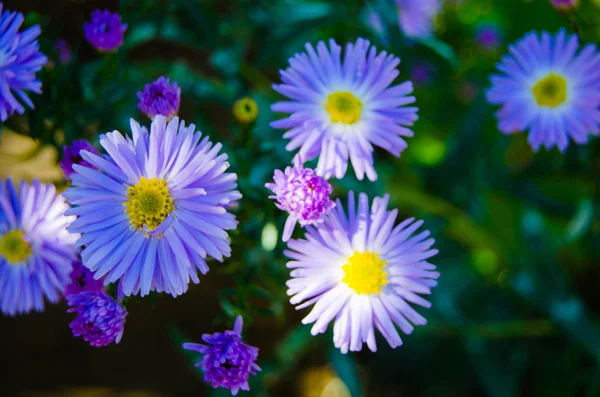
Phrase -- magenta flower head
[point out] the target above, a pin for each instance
(105, 31)
(71, 155)
(83, 280)
(100, 319)
(227, 361)
(302, 193)
(564, 5)
(64, 51)
(20, 59)
(159, 97)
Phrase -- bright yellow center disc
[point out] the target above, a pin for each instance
(149, 203)
(343, 107)
(364, 273)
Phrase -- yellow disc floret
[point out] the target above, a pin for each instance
(550, 91)
(245, 110)
(343, 107)
(364, 273)
(13, 247)
(149, 203)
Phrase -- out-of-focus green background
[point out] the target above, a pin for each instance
(517, 310)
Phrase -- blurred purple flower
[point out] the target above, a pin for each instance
(303, 194)
(415, 17)
(72, 155)
(36, 251)
(488, 37)
(100, 319)
(422, 72)
(105, 31)
(83, 280)
(548, 87)
(227, 361)
(20, 59)
(564, 5)
(64, 51)
(159, 97)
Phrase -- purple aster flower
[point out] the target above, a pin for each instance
(36, 251)
(422, 72)
(160, 98)
(71, 156)
(100, 319)
(155, 208)
(415, 17)
(362, 272)
(20, 59)
(83, 280)
(488, 37)
(548, 88)
(341, 106)
(105, 31)
(227, 361)
(64, 51)
(564, 5)
(302, 193)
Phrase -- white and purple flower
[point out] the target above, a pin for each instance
(363, 272)
(340, 106)
(36, 251)
(550, 89)
(152, 211)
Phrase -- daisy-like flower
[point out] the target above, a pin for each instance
(362, 272)
(100, 319)
(152, 211)
(303, 194)
(548, 88)
(159, 97)
(340, 108)
(415, 17)
(20, 59)
(227, 361)
(72, 156)
(82, 279)
(105, 30)
(36, 251)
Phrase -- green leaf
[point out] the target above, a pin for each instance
(346, 368)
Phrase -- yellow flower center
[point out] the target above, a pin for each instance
(13, 247)
(364, 273)
(550, 91)
(245, 110)
(343, 107)
(149, 203)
